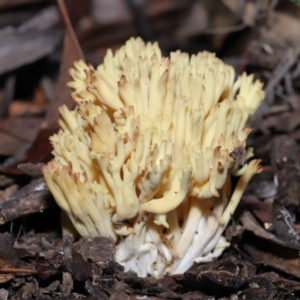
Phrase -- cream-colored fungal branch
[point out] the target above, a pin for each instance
(146, 157)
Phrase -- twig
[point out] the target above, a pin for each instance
(17, 271)
(66, 19)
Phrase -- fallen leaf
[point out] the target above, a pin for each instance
(40, 150)
(280, 258)
(32, 198)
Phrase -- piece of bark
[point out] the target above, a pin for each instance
(33, 198)
(44, 268)
(98, 250)
(34, 170)
(4, 294)
(9, 191)
(96, 291)
(285, 161)
(218, 277)
(67, 284)
(74, 263)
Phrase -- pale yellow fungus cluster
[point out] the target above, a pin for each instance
(145, 157)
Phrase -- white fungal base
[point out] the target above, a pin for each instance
(194, 234)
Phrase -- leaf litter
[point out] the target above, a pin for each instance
(263, 259)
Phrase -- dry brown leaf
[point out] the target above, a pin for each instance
(23, 129)
(40, 150)
(283, 259)
(17, 134)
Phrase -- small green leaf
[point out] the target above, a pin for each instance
(296, 2)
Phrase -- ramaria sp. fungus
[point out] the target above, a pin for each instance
(146, 157)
